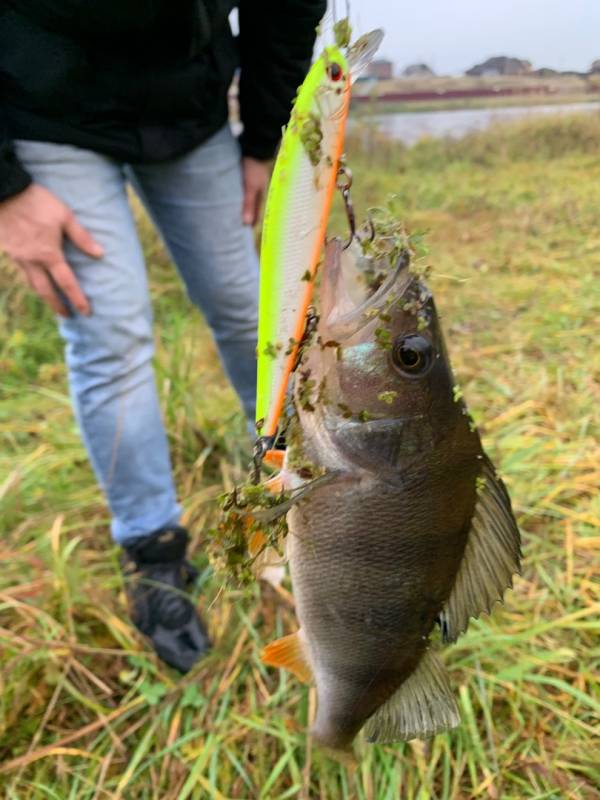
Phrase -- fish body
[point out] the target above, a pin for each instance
(412, 528)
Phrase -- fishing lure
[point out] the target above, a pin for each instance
(296, 215)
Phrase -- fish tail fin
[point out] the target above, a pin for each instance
(492, 556)
(423, 706)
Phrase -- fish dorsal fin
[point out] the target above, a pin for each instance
(288, 653)
(492, 556)
(423, 706)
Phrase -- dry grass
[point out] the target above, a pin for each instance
(87, 712)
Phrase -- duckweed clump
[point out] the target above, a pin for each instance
(240, 538)
(342, 32)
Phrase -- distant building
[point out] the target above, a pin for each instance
(380, 69)
(545, 72)
(595, 68)
(500, 65)
(418, 71)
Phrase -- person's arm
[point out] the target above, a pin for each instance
(13, 177)
(276, 43)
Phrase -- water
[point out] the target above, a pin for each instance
(411, 126)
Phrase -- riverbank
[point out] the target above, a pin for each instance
(409, 127)
(369, 108)
(465, 89)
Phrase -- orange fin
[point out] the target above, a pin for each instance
(274, 458)
(256, 543)
(287, 653)
(274, 484)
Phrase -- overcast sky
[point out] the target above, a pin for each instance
(452, 35)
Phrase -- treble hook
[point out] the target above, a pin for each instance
(344, 173)
(372, 231)
(261, 445)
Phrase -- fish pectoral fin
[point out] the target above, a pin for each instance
(270, 514)
(492, 557)
(423, 706)
(288, 653)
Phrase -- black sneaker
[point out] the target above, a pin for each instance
(157, 577)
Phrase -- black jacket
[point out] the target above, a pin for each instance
(146, 80)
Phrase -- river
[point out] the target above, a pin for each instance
(410, 126)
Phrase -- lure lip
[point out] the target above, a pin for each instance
(361, 52)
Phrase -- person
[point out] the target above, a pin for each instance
(99, 94)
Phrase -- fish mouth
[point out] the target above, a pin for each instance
(348, 304)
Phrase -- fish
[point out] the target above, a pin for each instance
(296, 215)
(402, 524)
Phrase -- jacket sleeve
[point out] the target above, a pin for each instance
(276, 43)
(13, 177)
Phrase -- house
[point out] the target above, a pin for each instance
(500, 65)
(545, 72)
(380, 69)
(418, 71)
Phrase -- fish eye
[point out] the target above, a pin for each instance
(413, 355)
(335, 72)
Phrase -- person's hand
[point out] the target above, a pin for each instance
(32, 226)
(256, 177)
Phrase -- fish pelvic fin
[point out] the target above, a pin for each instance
(492, 557)
(274, 458)
(256, 543)
(275, 484)
(423, 706)
(288, 653)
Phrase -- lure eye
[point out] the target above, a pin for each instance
(413, 355)
(335, 72)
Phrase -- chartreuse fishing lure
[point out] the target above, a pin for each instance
(296, 215)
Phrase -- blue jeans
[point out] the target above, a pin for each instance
(195, 202)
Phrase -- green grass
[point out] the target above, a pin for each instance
(87, 712)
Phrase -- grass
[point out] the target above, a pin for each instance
(87, 712)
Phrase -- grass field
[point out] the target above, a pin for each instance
(86, 711)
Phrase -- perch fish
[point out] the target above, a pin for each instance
(403, 523)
